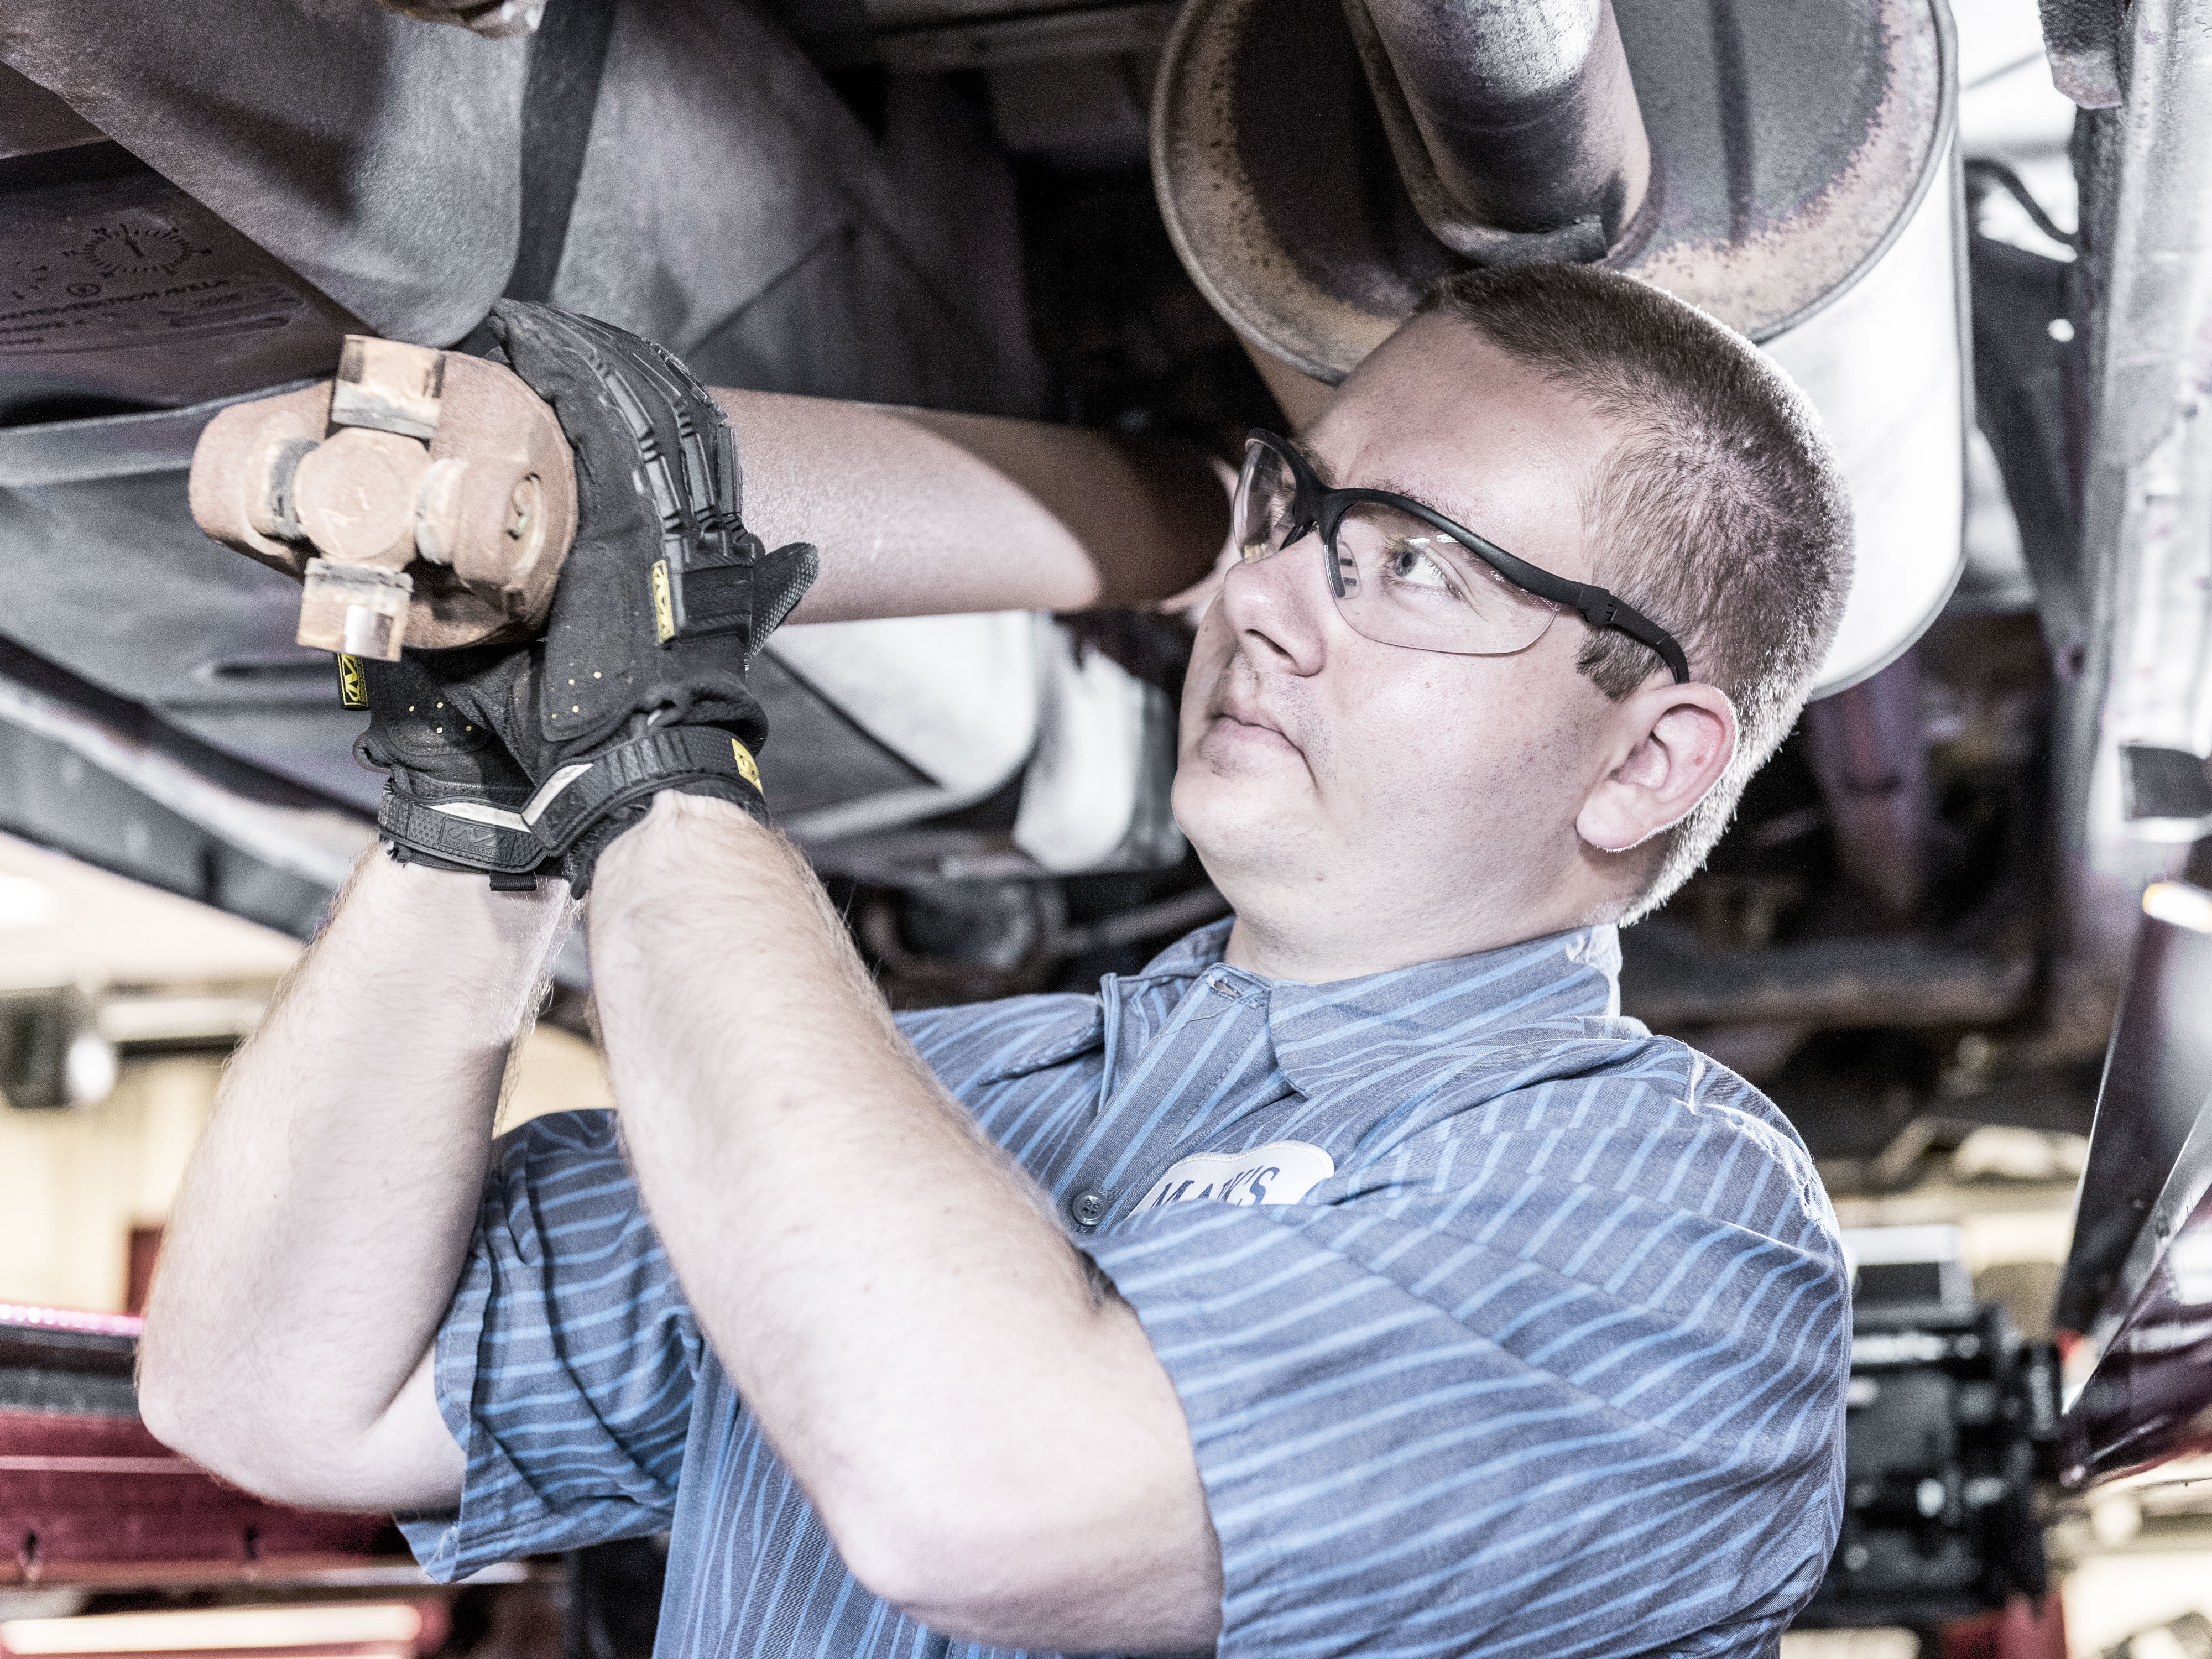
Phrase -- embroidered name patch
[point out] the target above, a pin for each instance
(1280, 1172)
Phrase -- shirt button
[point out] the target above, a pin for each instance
(1087, 1207)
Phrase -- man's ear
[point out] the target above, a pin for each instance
(1671, 744)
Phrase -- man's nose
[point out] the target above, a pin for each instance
(1281, 604)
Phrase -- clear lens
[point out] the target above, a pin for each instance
(1405, 582)
(1397, 579)
(1266, 492)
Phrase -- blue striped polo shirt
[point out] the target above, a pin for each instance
(1501, 1325)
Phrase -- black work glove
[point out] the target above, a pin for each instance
(453, 794)
(640, 684)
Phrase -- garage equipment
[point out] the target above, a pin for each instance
(1952, 1418)
(88, 1496)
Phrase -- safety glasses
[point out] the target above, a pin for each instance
(1402, 573)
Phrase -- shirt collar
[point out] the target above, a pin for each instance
(1326, 1035)
(1060, 1041)
(1431, 1007)
(1559, 976)
(1448, 1003)
(1192, 954)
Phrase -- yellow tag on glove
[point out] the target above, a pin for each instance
(352, 685)
(664, 609)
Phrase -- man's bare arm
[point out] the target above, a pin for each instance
(322, 1224)
(918, 513)
(991, 1442)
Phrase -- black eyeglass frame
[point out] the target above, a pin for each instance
(1317, 507)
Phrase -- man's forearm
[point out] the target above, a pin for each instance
(898, 1309)
(322, 1224)
(920, 512)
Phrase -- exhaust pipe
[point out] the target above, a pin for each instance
(1515, 125)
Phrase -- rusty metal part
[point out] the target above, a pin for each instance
(423, 498)
(1865, 747)
(1784, 160)
(1515, 126)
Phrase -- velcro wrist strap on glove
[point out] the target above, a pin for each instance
(469, 834)
(696, 759)
(453, 791)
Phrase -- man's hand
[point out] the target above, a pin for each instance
(509, 758)
(453, 794)
(640, 684)
(987, 1435)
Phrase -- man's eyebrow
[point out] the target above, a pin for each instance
(1459, 515)
(1398, 487)
(1321, 469)
(1329, 479)
(1390, 481)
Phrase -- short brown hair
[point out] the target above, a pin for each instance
(1720, 513)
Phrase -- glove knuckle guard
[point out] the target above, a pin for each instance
(665, 597)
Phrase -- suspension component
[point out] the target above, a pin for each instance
(423, 498)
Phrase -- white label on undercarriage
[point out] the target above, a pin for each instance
(1280, 1172)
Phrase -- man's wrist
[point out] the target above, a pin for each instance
(676, 814)
(673, 806)
(461, 897)
(408, 931)
(673, 825)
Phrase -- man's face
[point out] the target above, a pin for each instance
(1363, 805)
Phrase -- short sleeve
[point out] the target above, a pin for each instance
(565, 1362)
(1575, 1392)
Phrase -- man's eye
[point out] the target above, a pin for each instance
(1411, 563)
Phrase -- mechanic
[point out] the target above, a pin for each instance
(1352, 1279)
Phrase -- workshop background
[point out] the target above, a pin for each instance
(1920, 936)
